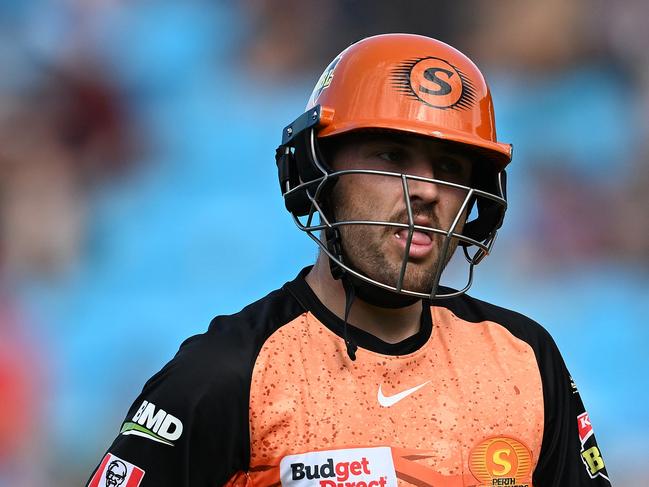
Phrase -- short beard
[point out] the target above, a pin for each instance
(362, 250)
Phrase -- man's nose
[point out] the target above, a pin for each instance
(420, 189)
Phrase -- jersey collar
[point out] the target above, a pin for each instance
(310, 302)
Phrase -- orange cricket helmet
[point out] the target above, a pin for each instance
(399, 82)
(408, 83)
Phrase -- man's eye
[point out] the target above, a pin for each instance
(391, 156)
(453, 170)
(450, 166)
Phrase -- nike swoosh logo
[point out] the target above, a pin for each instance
(387, 401)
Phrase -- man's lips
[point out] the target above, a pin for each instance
(418, 238)
(420, 245)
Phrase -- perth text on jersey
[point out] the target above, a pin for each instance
(154, 423)
(355, 467)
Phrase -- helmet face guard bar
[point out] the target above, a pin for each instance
(305, 181)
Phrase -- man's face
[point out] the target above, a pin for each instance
(377, 250)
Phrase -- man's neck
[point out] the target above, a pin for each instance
(387, 324)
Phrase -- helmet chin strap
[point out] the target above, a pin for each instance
(377, 296)
(357, 288)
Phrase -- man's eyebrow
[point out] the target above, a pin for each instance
(390, 139)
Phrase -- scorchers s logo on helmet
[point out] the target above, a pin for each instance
(434, 82)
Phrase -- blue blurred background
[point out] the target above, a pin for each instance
(138, 193)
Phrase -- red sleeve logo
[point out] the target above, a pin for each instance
(115, 472)
(585, 428)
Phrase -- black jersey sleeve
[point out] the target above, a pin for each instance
(189, 425)
(569, 455)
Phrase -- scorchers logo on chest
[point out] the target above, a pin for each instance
(357, 467)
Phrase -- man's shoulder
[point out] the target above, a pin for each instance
(259, 318)
(474, 310)
(224, 355)
(198, 402)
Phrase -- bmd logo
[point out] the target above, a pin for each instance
(357, 467)
(154, 424)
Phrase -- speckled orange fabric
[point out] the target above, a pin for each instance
(479, 382)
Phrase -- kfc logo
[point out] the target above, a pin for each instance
(115, 472)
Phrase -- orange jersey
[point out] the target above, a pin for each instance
(478, 397)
